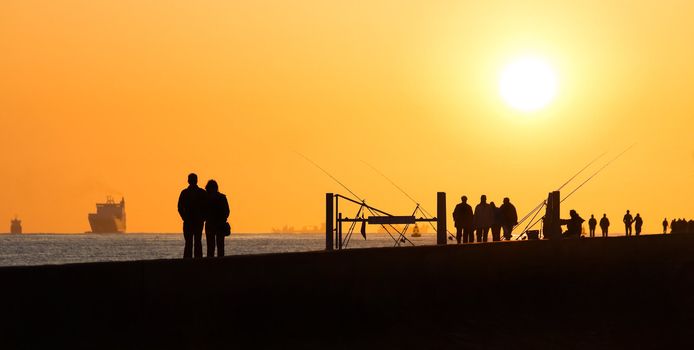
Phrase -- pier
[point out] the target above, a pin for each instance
(584, 293)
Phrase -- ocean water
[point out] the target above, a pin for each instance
(42, 249)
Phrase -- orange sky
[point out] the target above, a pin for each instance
(127, 97)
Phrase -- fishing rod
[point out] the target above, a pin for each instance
(543, 202)
(597, 172)
(585, 182)
(363, 201)
(332, 177)
(419, 206)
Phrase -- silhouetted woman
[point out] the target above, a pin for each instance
(217, 214)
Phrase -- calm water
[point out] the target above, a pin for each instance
(33, 249)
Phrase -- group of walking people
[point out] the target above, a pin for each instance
(679, 226)
(203, 208)
(632, 225)
(486, 217)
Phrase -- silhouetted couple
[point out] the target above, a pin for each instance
(200, 208)
(629, 220)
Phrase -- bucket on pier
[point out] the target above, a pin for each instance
(533, 234)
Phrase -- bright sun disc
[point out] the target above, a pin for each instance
(528, 84)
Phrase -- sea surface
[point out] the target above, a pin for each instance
(42, 249)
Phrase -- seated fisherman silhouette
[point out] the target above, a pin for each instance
(573, 225)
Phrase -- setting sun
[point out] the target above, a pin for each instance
(528, 84)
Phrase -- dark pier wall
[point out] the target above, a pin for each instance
(587, 293)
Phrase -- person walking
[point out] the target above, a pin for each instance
(462, 217)
(191, 207)
(509, 218)
(604, 225)
(483, 219)
(638, 222)
(628, 220)
(216, 226)
(592, 223)
(665, 224)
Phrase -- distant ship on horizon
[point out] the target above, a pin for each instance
(305, 229)
(109, 217)
(16, 226)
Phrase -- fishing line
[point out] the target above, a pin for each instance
(419, 206)
(597, 172)
(332, 177)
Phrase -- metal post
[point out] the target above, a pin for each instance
(441, 229)
(339, 231)
(328, 221)
(337, 222)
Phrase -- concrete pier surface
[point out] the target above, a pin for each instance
(601, 293)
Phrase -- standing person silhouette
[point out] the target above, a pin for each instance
(665, 224)
(216, 220)
(604, 225)
(483, 220)
(509, 218)
(191, 208)
(638, 222)
(496, 224)
(462, 216)
(592, 223)
(628, 220)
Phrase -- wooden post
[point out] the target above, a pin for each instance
(441, 229)
(329, 221)
(551, 226)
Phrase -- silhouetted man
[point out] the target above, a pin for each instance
(673, 226)
(665, 223)
(509, 218)
(191, 207)
(483, 219)
(628, 220)
(462, 216)
(573, 225)
(604, 225)
(592, 223)
(638, 222)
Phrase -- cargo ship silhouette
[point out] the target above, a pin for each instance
(109, 217)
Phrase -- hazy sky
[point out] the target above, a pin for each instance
(127, 97)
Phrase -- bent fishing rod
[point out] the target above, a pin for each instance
(584, 182)
(539, 206)
(419, 206)
(363, 201)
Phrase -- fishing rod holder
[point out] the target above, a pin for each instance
(334, 221)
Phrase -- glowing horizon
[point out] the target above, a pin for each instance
(127, 98)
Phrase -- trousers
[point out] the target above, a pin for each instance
(192, 234)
